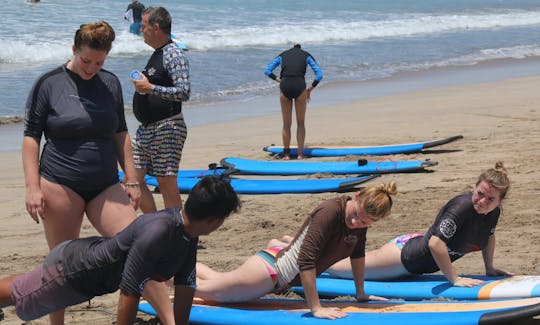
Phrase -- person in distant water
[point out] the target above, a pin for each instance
(156, 246)
(335, 229)
(79, 109)
(465, 224)
(134, 16)
(292, 84)
(157, 104)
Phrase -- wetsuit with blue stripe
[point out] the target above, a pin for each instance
(293, 70)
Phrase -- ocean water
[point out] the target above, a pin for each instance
(231, 41)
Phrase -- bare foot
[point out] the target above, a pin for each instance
(286, 157)
(300, 157)
(287, 239)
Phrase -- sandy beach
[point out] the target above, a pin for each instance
(499, 121)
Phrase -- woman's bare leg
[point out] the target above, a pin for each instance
(300, 106)
(286, 113)
(249, 281)
(383, 263)
(62, 220)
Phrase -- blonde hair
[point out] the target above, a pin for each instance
(97, 36)
(497, 178)
(377, 200)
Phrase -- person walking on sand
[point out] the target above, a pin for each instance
(157, 104)
(292, 85)
(465, 224)
(157, 246)
(335, 229)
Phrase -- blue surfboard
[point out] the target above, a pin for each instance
(189, 173)
(179, 43)
(264, 167)
(278, 186)
(429, 286)
(294, 312)
(336, 151)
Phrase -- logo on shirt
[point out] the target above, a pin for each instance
(448, 228)
(151, 71)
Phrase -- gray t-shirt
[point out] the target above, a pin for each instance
(153, 247)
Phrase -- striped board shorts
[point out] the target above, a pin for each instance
(157, 147)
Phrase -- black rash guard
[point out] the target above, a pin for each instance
(79, 119)
(153, 247)
(168, 70)
(459, 226)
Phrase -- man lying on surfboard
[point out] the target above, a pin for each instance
(334, 230)
(155, 246)
(465, 224)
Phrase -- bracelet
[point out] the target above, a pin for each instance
(135, 184)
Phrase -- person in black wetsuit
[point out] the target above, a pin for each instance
(292, 84)
(79, 109)
(465, 224)
(157, 103)
(134, 14)
(156, 246)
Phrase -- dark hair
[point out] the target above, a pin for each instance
(159, 16)
(97, 36)
(298, 46)
(211, 197)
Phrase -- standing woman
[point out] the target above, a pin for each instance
(465, 224)
(292, 84)
(79, 108)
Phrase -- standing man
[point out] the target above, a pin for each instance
(134, 15)
(157, 104)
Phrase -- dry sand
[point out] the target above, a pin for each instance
(499, 121)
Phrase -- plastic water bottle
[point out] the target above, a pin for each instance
(135, 75)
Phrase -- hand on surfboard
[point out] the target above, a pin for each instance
(468, 282)
(498, 272)
(329, 313)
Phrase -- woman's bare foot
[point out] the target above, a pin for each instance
(286, 152)
(287, 239)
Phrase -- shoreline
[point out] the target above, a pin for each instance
(336, 93)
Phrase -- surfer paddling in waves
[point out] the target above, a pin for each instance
(157, 246)
(333, 230)
(465, 224)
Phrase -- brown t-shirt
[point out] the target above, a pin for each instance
(322, 240)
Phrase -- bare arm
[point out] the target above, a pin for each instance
(308, 279)
(127, 309)
(124, 153)
(487, 253)
(35, 203)
(183, 300)
(358, 267)
(439, 250)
